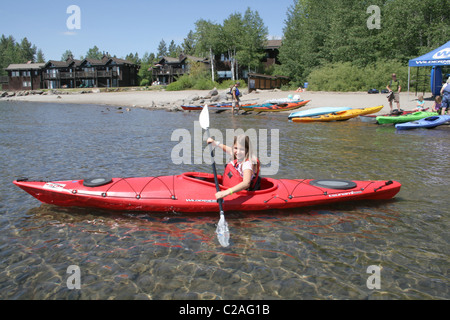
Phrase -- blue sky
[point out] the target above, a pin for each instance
(123, 27)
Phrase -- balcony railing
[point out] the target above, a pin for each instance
(169, 71)
(80, 75)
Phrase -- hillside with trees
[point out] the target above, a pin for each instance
(12, 51)
(334, 46)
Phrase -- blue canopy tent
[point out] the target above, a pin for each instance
(436, 58)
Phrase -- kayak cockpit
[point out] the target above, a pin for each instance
(267, 184)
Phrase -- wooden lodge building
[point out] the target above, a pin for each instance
(168, 69)
(72, 73)
(271, 48)
(113, 72)
(23, 77)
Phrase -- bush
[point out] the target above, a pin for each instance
(200, 81)
(204, 84)
(345, 77)
(184, 82)
(144, 83)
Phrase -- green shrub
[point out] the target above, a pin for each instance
(184, 82)
(345, 77)
(204, 84)
(200, 81)
(144, 82)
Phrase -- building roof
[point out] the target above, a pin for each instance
(93, 62)
(26, 66)
(272, 44)
(119, 61)
(180, 59)
(170, 60)
(63, 64)
(197, 59)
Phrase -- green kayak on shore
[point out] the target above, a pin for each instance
(405, 118)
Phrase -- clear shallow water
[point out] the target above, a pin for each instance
(308, 253)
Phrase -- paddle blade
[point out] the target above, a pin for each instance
(204, 117)
(223, 234)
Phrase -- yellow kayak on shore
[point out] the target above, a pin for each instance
(339, 116)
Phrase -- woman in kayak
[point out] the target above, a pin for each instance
(242, 173)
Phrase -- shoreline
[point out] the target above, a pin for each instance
(172, 100)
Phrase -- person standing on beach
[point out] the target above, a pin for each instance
(235, 97)
(445, 92)
(394, 91)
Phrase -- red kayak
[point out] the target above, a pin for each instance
(223, 106)
(194, 192)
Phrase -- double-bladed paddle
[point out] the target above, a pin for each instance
(223, 234)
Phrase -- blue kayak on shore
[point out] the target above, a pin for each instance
(429, 122)
(317, 112)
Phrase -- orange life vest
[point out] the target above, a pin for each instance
(232, 177)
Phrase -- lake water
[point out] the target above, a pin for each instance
(322, 252)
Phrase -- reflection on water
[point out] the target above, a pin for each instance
(308, 253)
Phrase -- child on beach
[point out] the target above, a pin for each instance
(420, 106)
(242, 173)
(437, 105)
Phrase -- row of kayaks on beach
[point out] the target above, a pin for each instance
(327, 114)
(413, 120)
(310, 115)
(403, 120)
(428, 122)
(264, 107)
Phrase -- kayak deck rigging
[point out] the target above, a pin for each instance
(195, 192)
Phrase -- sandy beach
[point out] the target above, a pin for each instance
(172, 100)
